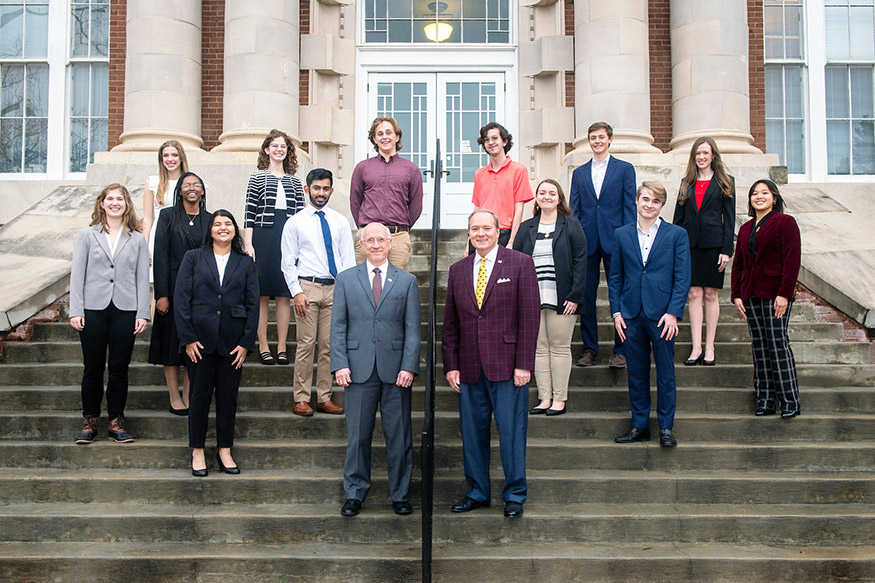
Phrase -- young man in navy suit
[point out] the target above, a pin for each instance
(603, 198)
(648, 285)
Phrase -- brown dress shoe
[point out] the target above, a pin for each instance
(330, 408)
(303, 409)
(117, 431)
(618, 361)
(587, 359)
(89, 430)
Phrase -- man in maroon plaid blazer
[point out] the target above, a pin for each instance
(489, 353)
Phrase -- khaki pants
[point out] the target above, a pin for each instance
(553, 355)
(313, 331)
(399, 254)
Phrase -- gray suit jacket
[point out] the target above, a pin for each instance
(364, 334)
(97, 278)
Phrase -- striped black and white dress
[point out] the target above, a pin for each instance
(542, 254)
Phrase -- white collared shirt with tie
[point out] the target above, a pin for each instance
(490, 263)
(383, 269)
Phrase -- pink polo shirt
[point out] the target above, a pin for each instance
(498, 191)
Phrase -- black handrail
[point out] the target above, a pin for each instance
(427, 443)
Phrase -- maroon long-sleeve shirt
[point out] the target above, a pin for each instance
(386, 192)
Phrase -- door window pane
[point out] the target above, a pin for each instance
(467, 112)
(406, 102)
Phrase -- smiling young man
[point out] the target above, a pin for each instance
(386, 189)
(603, 198)
(502, 186)
(316, 246)
(648, 285)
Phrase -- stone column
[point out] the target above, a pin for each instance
(162, 74)
(612, 72)
(709, 58)
(262, 64)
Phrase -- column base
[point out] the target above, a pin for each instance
(729, 142)
(150, 140)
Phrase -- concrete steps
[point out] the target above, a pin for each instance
(740, 499)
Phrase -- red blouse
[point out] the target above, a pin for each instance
(701, 188)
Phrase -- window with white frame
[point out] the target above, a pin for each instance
(58, 51)
(437, 21)
(850, 92)
(785, 82)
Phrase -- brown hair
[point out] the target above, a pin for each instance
(395, 127)
(290, 162)
(720, 172)
(655, 187)
(601, 125)
(163, 175)
(563, 204)
(502, 131)
(130, 222)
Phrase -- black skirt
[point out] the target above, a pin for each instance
(704, 268)
(164, 344)
(268, 257)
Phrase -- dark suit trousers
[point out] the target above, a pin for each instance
(114, 329)
(212, 372)
(360, 402)
(589, 330)
(641, 334)
(478, 402)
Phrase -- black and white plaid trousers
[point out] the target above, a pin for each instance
(774, 369)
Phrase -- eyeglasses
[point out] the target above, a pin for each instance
(378, 241)
(195, 186)
(279, 146)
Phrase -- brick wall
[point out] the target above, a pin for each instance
(117, 48)
(304, 15)
(213, 70)
(757, 73)
(660, 73)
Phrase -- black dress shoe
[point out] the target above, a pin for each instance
(200, 473)
(537, 411)
(554, 412)
(666, 439)
(402, 508)
(695, 361)
(789, 414)
(351, 507)
(468, 504)
(762, 411)
(183, 412)
(635, 434)
(233, 471)
(710, 362)
(513, 509)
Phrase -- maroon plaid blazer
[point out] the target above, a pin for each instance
(503, 334)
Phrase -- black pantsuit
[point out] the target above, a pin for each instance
(212, 371)
(112, 328)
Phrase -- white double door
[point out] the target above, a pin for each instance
(449, 106)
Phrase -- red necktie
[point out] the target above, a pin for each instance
(378, 286)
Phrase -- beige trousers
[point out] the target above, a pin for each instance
(313, 331)
(399, 253)
(553, 355)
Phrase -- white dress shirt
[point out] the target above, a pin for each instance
(646, 238)
(383, 268)
(598, 175)
(113, 243)
(221, 264)
(490, 263)
(303, 247)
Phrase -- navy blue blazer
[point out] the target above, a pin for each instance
(601, 216)
(221, 317)
(658, 288)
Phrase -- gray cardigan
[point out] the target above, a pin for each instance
(96, 278)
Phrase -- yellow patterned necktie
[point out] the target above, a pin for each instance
(480, 290)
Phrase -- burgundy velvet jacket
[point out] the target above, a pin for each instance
(775, 269)
(503, 334)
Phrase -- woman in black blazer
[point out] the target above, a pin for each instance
(109, 304)
(180, 228)
(557, 244)
(706, 209)
(272, 196)
(216, 307)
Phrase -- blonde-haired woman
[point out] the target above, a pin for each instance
(159, 189)
(706, 209)
(109, 304)
(273, 195)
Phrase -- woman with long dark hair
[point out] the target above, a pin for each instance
(180, 228)
(273, 195)
(557, 244)
(109, 305)
(764, 274)
(706, 209)
(216, 315)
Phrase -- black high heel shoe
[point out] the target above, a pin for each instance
(694, 361)
(199, 473)
(234, 470)
(709, 362)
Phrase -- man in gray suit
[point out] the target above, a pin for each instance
(375, 345)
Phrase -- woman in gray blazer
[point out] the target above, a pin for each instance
(109, 304)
